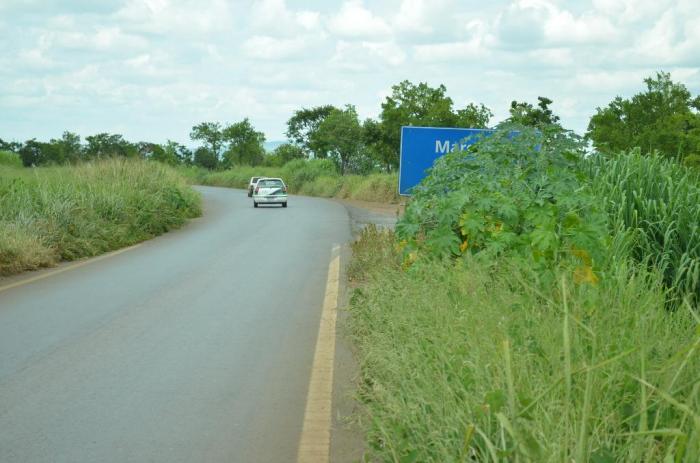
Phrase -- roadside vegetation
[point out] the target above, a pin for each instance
(316, 177)
(534, 305)
(478, 360)
(58, 213)
(538, 302)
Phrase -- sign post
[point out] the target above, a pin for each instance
(421, 146)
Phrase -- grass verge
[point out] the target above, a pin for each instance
(475, 360)
(50, 214)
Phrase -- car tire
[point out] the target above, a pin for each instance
(255, 204)
(284, 204)
(250, 194)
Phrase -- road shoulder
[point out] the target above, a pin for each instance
(347, 434)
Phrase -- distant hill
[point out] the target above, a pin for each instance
(271, 145)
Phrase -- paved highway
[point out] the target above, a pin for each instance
(193, 347)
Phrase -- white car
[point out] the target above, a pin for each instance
(251, 185)
(270, 191)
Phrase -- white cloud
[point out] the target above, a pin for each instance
(183, 17)
(671, 40)
(475, 47)
(553, 57)
(448, 52)
(563, 27)
(365, 56)
(422, 16)
(273, 18)
(309, 20)
(272, 48)
(388, 52)
(535, 23)
(100, 38)
(355, 21)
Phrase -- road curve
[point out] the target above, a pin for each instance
(194, 347)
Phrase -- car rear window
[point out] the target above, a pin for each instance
(270, 183)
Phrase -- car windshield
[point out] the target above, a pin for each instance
(255, 179)
(270, 184)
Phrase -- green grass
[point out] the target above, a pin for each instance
(483, 361)
(8, 158)
(537, 306)
(50, 214)
(657, 202)
(310, 178)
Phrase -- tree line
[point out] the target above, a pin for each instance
(664, 118)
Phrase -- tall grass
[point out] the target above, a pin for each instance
(8, 158)
(311, 178)
(657, 202)
(482, 361)
(54, 213)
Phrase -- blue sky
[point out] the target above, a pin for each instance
(150, 69)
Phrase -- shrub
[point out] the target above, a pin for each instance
(299, 172)
(509, 193)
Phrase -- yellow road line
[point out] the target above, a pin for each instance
(66, 268)
(314, 446)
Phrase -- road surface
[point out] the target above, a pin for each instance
(193, 347)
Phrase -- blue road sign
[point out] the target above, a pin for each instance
(421, 146)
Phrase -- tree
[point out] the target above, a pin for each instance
(36, 153)
(204, 157)
(283, 154)
(210, 134)
(68, 147)
(525, 114)
(664, 118)
(474, 117)
(33, 153)
(303, 124)
(181, 153)
(417, 105)
(245, 144)
(342, 133)
(10, 146)
(378, 144)
(108, 145)
(156, 152)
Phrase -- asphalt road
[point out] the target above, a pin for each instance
(194, 347)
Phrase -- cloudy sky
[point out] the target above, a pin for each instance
(150, 69)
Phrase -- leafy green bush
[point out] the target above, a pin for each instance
(481, 360)
(53, 213)
(656, 201)
(522, 193)
(300, 172)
